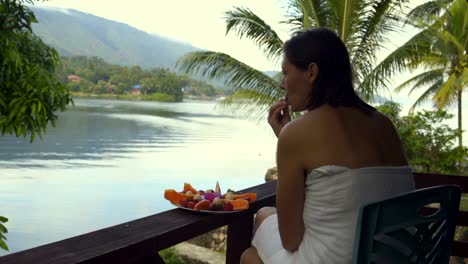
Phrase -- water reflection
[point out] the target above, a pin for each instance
(96, 130)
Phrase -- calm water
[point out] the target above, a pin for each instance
(108, 162)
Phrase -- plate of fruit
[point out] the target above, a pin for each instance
(209, 201)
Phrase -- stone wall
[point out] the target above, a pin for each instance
(215, 240)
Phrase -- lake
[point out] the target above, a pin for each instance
(107, 162)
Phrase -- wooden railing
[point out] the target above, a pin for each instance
(140, 240)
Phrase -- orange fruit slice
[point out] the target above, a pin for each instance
(251, 196)
(188, 187)
(239, 204)
(202, 205)
(175, 197)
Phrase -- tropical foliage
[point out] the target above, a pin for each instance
(428, 142)
(3, 230)
(94, 76)
(30, 94)
(362, 25)
(439, 50)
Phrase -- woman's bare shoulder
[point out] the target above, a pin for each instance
(383, 122)
(390, 140)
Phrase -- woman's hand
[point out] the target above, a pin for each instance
(279, 116)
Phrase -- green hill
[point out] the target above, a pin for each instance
(76, 33)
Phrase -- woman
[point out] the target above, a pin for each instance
(340, 154)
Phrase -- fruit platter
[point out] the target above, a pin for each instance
(209, 201)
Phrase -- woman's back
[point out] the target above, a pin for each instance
(339, 155)
(349, 137)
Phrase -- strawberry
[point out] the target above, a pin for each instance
(212, 207)
(183, 203)
(228, 207)
(191, 205)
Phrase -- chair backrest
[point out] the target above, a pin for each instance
(399, 230)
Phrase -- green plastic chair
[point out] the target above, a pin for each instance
(398, 231)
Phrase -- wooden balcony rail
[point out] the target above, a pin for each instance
(140, 240)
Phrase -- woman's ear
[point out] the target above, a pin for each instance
(312, 72)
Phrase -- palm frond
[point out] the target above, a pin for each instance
(412, 52)
(458, 21)
(247, 104)
(246, 23)
(422, 80)
(425, 96)
(462, 81)
(232, 72)
(429, 12)
(313, 13)
(305, 14)
(447, 90)
(432, 60)
(278, 77)
(380, 19)
(451, 44)
(348, 13)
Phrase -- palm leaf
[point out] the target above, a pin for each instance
(246, 23)
(462, 81)
(313, 12)
(422, 79)
(371, 30)
(247, 103)
(425, 96)
(458, 21)
(305, 14)
(432, 60)
(446, 91)
(428, 12)
(412, 52)
(348, 13)
(234, 73)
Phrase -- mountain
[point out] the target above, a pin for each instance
(76, 33)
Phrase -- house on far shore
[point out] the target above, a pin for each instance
(74, 78)
(186, 89)
(136, 89)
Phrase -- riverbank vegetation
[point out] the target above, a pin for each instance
(95, 78)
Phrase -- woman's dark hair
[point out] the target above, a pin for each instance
(334, 83)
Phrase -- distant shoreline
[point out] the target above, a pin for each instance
(158, 98)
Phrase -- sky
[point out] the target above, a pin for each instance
(200, 23)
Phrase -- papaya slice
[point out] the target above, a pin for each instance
(250, 196)
(188, 187)
(175, 197)
(202, 205)
(239, 204)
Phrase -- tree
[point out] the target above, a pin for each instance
(361, 24)
(427, 141)
(440, 50)
(30, 93)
